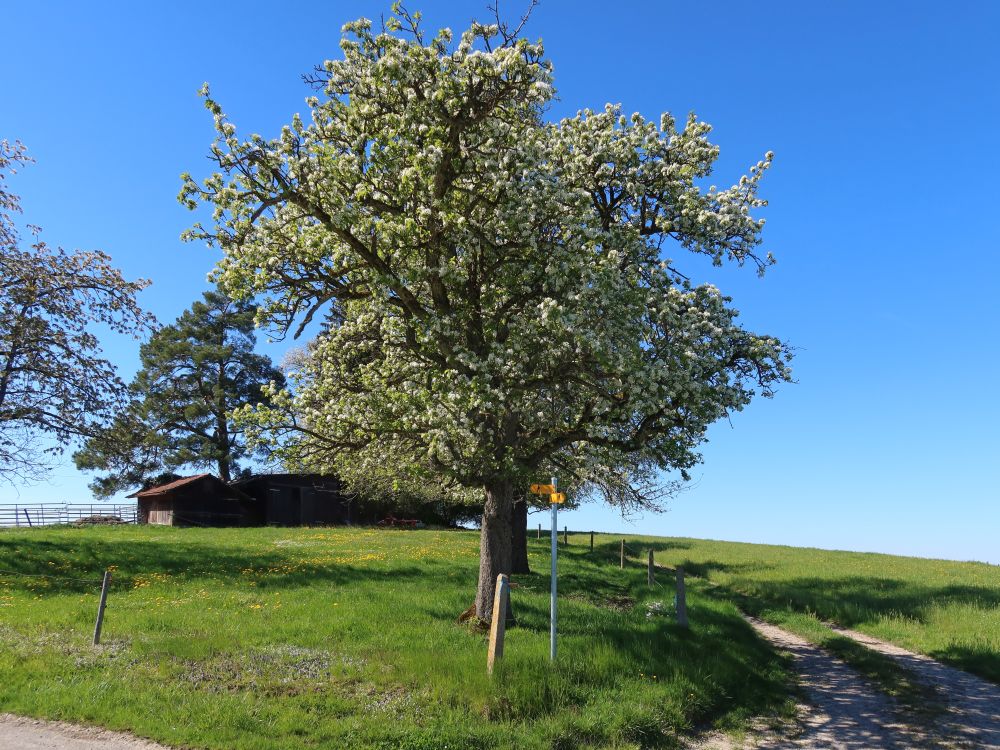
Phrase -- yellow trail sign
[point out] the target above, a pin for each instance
(558, 497)
(542, 489)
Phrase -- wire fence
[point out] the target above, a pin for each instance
(7, 574)
(67, 512)
(628, 555)
(30, 515)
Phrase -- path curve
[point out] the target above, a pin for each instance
(846, 712)
(973, 704)
(21, 733)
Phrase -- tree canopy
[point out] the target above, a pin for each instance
(54, 384)
(503, 300)
(195, 373)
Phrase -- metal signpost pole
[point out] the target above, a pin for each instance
(552, 608)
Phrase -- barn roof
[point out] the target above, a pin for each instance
(166, 489)
(284, 477)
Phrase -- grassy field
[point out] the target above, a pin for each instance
(305, 638)
(948, 610)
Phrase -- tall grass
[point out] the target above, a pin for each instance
(304, 638)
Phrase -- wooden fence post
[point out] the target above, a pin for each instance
(622, 563)
(539, 532)
(649, 569)
(499, 625)
(682, 612)
(591, 541)
(100, 607)
(565, 535)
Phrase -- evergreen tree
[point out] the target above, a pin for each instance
(194, 374)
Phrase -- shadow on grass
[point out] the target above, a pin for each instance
(720, 657)
(635, 555)
(716, 670)
(705, 568)
(854, 600)
(70, 564)
(610, 547)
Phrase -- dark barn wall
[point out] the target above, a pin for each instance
(283, 500)
(204, 503)
(298, 499)
(283, 506)
(205, 506)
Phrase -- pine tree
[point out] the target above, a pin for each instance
(194, 374)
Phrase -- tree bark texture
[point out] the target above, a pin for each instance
(519, 537)
(494, 543)
(221, 419)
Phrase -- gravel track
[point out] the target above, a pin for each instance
(20, 733)
(972, 717)
(846, 712)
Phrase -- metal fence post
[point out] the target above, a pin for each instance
(552, 602)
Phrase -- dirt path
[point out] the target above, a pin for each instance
(846, 712)
(19, 733)
(973, 704)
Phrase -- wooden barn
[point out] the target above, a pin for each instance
(276, 500)
(301, 500)
(202, 500)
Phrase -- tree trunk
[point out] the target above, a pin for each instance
(519, 538)
(222, 423)
(8, 369)
(494, 544)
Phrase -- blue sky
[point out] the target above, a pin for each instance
(884, 195)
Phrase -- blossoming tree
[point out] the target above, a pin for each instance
(500, 302)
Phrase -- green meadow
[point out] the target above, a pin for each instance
(947, 610)
(303, 638)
